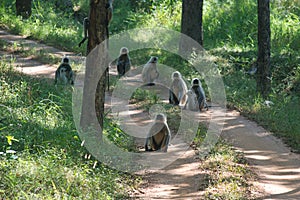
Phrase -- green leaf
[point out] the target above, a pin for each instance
(10, 139)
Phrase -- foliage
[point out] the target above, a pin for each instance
(45, 24)
(35, 118)
(115, 134)
(41, 156)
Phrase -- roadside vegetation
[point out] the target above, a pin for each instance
(41, 155)
(38, 140)
(228, 175)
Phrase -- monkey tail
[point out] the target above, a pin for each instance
(82, 41)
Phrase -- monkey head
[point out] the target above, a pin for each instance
(196, 81)
(153, 59)
(176, 75)
(190, 93)
(124, 50)
(65, 59)
(160, 117)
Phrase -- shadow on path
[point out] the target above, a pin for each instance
(277, 167)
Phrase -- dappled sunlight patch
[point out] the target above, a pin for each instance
(228, 175)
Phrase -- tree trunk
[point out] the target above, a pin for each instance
(23, 8)
(264, 47)
(191, 23)
(96, 65)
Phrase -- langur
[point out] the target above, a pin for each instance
(158, 138)
(178, 89)
(191, 103)
(86, 23)
(109, 8)
(198, 90)
(64, 73)
(123, 63)
(150, 73)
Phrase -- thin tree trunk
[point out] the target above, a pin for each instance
(96, 65)
(264, 48)
(191, 23)
(23, 8)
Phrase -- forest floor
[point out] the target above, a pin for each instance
(277, 167)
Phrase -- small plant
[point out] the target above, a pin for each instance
(115, 134)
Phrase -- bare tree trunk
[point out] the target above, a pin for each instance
(264, 48)
(191, 23)
(23, 8)
(96, 65)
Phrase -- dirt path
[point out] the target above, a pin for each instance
(277, 167)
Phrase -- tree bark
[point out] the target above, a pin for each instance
(96, 65)
(23, 8)
(264, 48)
(191, 23)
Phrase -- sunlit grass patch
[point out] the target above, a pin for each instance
(41, 156)
(228, 175)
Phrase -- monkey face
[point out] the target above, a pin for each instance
(153, 59)
(65, 60)
(176, 75)
(124, 51)
(195, 81)
(160, 117)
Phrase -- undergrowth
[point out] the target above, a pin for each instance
(228, 175)
(37, 119)
(41, 156)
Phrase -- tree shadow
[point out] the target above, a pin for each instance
(275, 164)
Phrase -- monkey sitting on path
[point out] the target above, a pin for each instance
(64, 73)
(123, 62)
(198, 90)
(158, 138)
(192, 102)
(178, 89)
(150, 73)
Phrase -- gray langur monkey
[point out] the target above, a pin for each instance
(86, 23)
(109, 8)
(150, 73)
(178, 89)
(159, 136)
(192, 102)
(64, 73)
(198, 90)
(123, 62)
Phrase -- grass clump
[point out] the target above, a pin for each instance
(228, 175)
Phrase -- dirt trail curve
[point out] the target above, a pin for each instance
(278, 168)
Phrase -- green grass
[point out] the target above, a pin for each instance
(36, 120)
(228, 175)
(41, 153)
